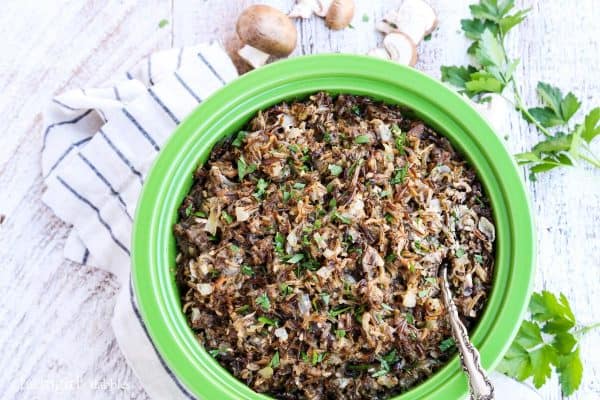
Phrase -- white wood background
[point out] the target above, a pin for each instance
(55, 336)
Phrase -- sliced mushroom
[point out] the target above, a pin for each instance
(401, 48)
(306, 8)
(379, 52)
(265, 31)
(414, 18)
(340, 14)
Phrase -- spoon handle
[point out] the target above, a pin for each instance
(480, 386)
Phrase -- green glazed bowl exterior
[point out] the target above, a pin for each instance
(226, 111)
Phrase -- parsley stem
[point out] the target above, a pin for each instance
(582, 331)
(595, 163)
(523, 109)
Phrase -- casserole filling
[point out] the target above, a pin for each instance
(309, 247)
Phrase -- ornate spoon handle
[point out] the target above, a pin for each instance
(480, 386)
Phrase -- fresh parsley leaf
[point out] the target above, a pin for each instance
(299, 185)
(591, 126)
(279, 244)
(340, 333)
(545, 116)
(473, 28)
(457, 76)
(570, 372)
(188, 210)
(459, 252)
(484, 84)
(555, 313)
(533, 354)
(162, 23)
(510, 21)
(335, 170)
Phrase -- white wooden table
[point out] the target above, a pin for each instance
(55, 336)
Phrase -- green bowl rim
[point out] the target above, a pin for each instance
(226, 111)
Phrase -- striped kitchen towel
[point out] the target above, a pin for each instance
(98, 145)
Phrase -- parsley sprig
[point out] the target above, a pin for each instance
(548, 341)
(564, 143)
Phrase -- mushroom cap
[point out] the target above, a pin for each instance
(340, 14)
(267, 29)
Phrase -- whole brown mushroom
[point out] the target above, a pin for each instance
(265, 31)
(340, 14)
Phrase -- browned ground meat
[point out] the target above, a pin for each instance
(309, 247)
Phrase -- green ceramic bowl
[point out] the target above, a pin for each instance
(226, 111)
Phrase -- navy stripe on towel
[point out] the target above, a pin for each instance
(209, 65)
(141, 129)
(71, 121)
(67, 151)
(97, 210)
(106, 182)
(186, 87)
(121, 156)
(163, 106)
(162, 361)
(60, 103)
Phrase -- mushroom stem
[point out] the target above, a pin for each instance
(253, 56)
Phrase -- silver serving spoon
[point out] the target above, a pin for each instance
(480, 387)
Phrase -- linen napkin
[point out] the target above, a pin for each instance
(98, 145)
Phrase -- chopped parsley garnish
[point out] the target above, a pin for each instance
(162, 23)
(296, 258)
(355, 109)
(399, 175)
(340, 333)
(459, 252)
(384, 363)
(279, 243)
(317, 357)
(245, 309)
(478, 258)
(299, 185)
(247, 270)
(285, 289)
(362, 139)
(267, 321)
(423, 293)
(335, 170)
(275, 360)
(341, 218)
(239, 139)
(200, 214)
(263, 301)
(188, 210)
(261, 187)
(226, 217)
(244, 169)
(339, 310)
(447, 344)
